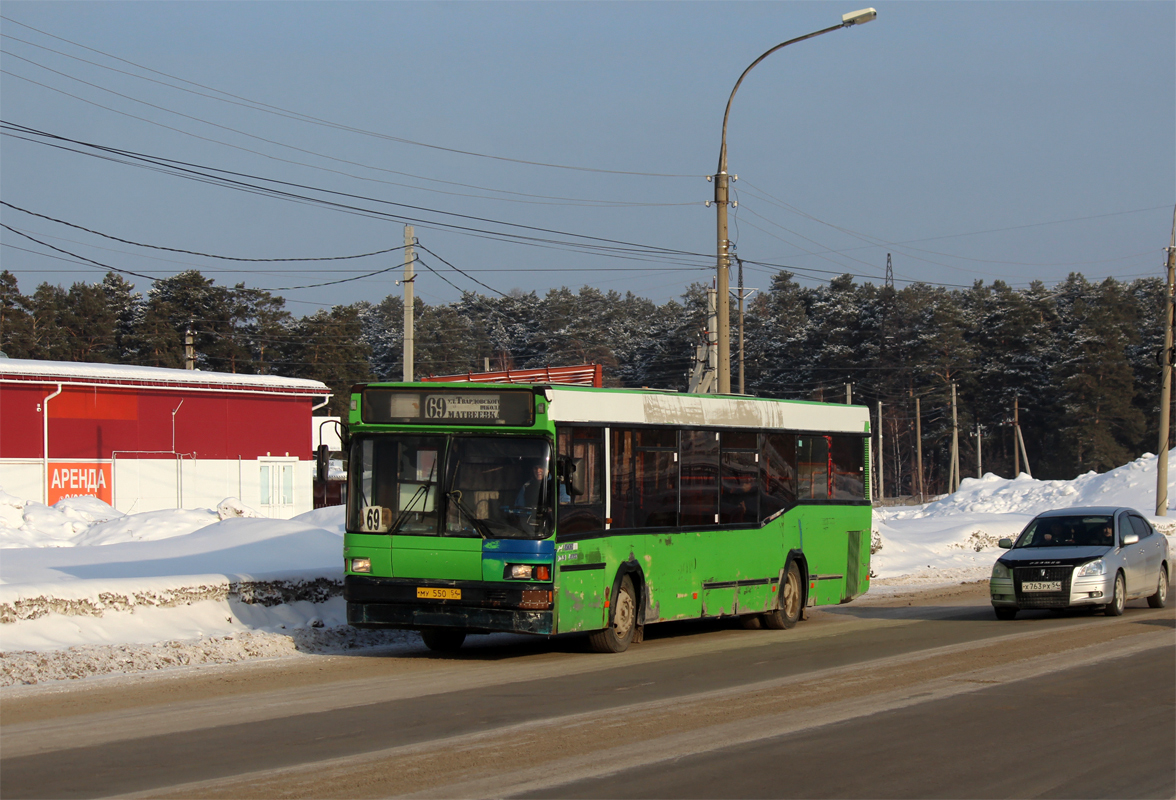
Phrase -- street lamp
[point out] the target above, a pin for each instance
(724, 315)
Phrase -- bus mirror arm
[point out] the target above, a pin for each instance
(322, 462)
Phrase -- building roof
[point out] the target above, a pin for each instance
(133, 375)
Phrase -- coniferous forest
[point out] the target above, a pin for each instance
(1079, 358)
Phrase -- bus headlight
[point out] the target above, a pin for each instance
(999, 570)
(527, 572)
(1098, 567)
(361, 565)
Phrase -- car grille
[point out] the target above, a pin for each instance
(1043, 599)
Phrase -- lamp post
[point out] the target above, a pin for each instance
(724, 317)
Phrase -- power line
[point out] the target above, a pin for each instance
(316, 120)
(193, 252)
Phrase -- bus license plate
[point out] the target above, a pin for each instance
(432, 593)
(1041, 586)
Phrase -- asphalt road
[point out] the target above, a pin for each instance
(935, 698)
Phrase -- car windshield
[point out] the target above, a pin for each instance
(488, 486)
(1076, 531)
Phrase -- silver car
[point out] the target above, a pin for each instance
(1099, 557)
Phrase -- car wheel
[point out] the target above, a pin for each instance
(443, 640)
(1004, 612)
(619, 633)
(1118, 599)
(1160, 598)
(788, 613)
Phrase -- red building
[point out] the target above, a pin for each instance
(143, 438)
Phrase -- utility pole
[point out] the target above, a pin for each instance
(1019, 442)
(849, 394)
(881, 491)
(919, 447)
(189, 349)
(740, 262)
(979, 463)
(954, 481)
(1016, 440)
(1166, 381)
(409, 277)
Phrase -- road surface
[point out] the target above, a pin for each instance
(919, 696)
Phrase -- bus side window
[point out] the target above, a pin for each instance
(700, 478)
(739, 499)
(777, 473)
(812, 452)
(848, 471)
(585, 448)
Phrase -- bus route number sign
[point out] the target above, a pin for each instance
(462, 406)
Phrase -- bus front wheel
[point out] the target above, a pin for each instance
(443, 640)
(788, 613)
(619, 633)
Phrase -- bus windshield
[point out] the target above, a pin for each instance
(489, 486)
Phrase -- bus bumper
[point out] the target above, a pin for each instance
(483, 608)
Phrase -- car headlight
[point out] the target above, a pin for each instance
(999, 570)
(1098, 567)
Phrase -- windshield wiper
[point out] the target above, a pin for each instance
(403, 516)
(479, 525)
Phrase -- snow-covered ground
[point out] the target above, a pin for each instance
(86, 590)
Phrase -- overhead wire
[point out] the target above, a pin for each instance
(305, 117)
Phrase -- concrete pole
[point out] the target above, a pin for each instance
(1166, 382)
(979, 463)
(849, 394)
(409, 277)
(1016, 439)
(723, 269)
(881, 489)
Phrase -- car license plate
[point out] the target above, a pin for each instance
(434, 593)
(1041, 586)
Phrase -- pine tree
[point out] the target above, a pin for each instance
(16, 319)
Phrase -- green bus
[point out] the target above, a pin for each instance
(475, 508)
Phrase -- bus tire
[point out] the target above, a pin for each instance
(788, 613)
(443, 640)
(622, 622)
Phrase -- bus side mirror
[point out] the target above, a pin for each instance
(322, 462)
(577, 478)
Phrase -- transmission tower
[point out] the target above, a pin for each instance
(889, 273)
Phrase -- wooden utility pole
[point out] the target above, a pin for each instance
(409, 277)
(954, 482)
(919, 447)
(189, 350)
(1166, 381)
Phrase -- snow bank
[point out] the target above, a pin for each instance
(85, 589)
(954, 539)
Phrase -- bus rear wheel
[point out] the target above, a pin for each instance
(622, 624)
(788, 613)
(443, 640)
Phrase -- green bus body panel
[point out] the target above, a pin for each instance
(437, 558)
(579, 600)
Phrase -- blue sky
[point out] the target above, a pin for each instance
(970, 140)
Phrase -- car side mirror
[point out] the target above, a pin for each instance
(1130, 538)
(1005, 544)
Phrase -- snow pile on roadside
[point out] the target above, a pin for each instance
(954, 539)
(1132, 484)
